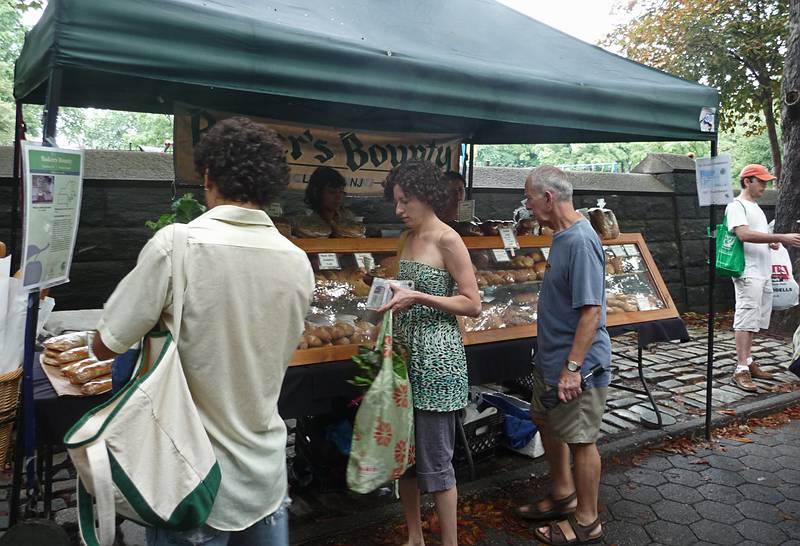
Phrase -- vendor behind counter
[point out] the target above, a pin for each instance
(328, 216)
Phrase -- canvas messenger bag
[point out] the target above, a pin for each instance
(145, 454)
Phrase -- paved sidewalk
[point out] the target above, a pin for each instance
(743, 488)
(675, 372)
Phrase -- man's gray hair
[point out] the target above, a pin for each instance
(552, 179)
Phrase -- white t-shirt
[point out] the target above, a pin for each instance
(247, 292)
(757, 258)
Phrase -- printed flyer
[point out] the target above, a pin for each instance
(53, 180)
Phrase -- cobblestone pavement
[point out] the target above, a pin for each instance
(741, 491)
(675, 372)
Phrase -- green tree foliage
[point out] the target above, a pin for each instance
(113, 130)
(736, 46)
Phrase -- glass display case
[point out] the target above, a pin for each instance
(508, 281)
(509, 284)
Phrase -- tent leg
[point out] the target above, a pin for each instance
(16, 189)
(712, 258)
(471, 170)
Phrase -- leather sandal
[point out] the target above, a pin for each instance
(570, 532)
(559, 510)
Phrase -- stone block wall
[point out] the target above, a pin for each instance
(113, 214)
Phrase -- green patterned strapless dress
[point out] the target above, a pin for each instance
(437, 366)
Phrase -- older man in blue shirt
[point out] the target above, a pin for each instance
(572, 339)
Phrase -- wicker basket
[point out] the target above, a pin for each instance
(9, 397)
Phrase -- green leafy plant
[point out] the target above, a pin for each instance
(369, 359)
(184, 210)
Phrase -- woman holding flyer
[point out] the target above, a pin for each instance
(434, 257)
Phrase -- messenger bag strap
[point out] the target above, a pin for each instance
(103, 535)
(180, 236)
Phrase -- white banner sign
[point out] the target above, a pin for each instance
(714, 180)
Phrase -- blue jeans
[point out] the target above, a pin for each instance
(270, 531)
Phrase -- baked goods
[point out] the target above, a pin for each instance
(66, 341)
(99, 385)
(604, 221)
(284, 226)
(78, 353)
(540, 268)
(526, 298)
(527, 226)
(349, 230)
(310, 226)
(88, 369)
(537, 256)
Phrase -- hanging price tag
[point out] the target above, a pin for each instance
(328, 260)
(466, 210)
(509, 238)
(364, 260)
(275, 209)
(500, 255)
(546, 253)
(631, 250)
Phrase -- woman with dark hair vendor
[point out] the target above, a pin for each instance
(325, 195)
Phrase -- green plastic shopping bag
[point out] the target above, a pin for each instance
(383, 433)
(730, 251)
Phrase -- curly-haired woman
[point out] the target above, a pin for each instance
(241, 319)
(435, 258)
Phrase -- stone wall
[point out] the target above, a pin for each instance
(659, 201)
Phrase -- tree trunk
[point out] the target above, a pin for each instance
(787, 211)
(774, 146)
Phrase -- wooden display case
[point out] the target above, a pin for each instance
(635, 291)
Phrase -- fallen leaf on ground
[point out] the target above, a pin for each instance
(728, 412)
(700, 461)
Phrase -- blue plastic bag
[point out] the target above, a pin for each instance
(517, 425)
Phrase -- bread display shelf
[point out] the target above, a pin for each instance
(513, 298)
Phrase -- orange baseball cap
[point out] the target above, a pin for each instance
(759, 171)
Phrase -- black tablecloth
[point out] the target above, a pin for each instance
(654, 331)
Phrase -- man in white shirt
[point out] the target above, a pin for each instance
(754, 287)
(247, 293)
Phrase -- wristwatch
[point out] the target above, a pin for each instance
(573, 366)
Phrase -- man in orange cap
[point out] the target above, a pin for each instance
(754, 287)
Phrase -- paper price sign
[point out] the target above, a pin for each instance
(618, 251)
(508, 237)
(364, 260)
(546, 253)
(466, 210)
(631, 250)
(500, 255)
(275, 209)
(328, 260)
(644, 303)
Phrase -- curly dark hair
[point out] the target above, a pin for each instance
(323, 177)
(423, 180)
(245, 161)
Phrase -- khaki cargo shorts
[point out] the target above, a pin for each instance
(576, 422)
(753, 304)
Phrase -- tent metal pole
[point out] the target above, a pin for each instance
(712, 258)
(471, 169)
(26, 432)
(16, 191)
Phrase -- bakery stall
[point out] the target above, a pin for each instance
(355, 67)
(498, 342)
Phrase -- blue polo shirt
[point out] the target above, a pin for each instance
(575, 277)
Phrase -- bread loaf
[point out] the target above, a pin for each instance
(67, 341)
(96, 386)
(90, 369)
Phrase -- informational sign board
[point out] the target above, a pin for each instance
(53, 187)
(466, 210)
(362, 157)
(714, 180)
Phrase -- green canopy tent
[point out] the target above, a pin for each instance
(471, 67)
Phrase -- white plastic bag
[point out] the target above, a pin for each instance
(785, 291)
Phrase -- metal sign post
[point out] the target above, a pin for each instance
(712, 259)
